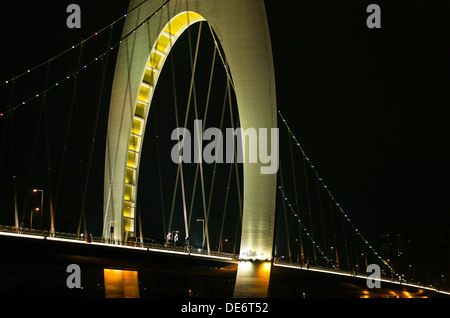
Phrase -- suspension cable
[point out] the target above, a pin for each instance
(308, 200)
(230, 82)
(94, 134)
(214, 174)
(345, 243)
(8, 119)
(35, 147)
(180, 164)
(13, 160)
(321, 213)
(49, 168)
(341, 210)
(200, 164)
(230, 173)
(85, 66)
(308, 234)
(158, 156)
(28, 71)
(297, 205)
(280, 173)
(236, 168)
(204, 123)
(69, 124)
(224, 62)
(336, 247)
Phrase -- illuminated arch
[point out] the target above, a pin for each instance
(243, 32)
(135, 129)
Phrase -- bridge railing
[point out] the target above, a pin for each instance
(334, 270)
(96, 239)
(23, 230)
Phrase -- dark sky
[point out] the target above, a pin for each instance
(370, 106)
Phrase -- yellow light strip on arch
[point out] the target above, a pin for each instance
(161, 49)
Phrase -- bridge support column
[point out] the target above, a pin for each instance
(252, 279)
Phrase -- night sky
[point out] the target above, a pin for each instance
(369, 106)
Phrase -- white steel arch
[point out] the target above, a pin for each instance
(244, 36)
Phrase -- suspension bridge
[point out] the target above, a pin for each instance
(82, 186)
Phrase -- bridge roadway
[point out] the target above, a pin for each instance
(35, 265)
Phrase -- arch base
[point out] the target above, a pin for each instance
(252, 280)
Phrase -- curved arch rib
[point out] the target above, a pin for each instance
(244, 35)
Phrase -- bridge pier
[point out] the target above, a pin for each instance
(121, 283)
(252, 279)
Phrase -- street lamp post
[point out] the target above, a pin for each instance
(42, 201)
(222, 243)
(31, 218)
(203, 227)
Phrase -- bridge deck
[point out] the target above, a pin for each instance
(36, 265)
